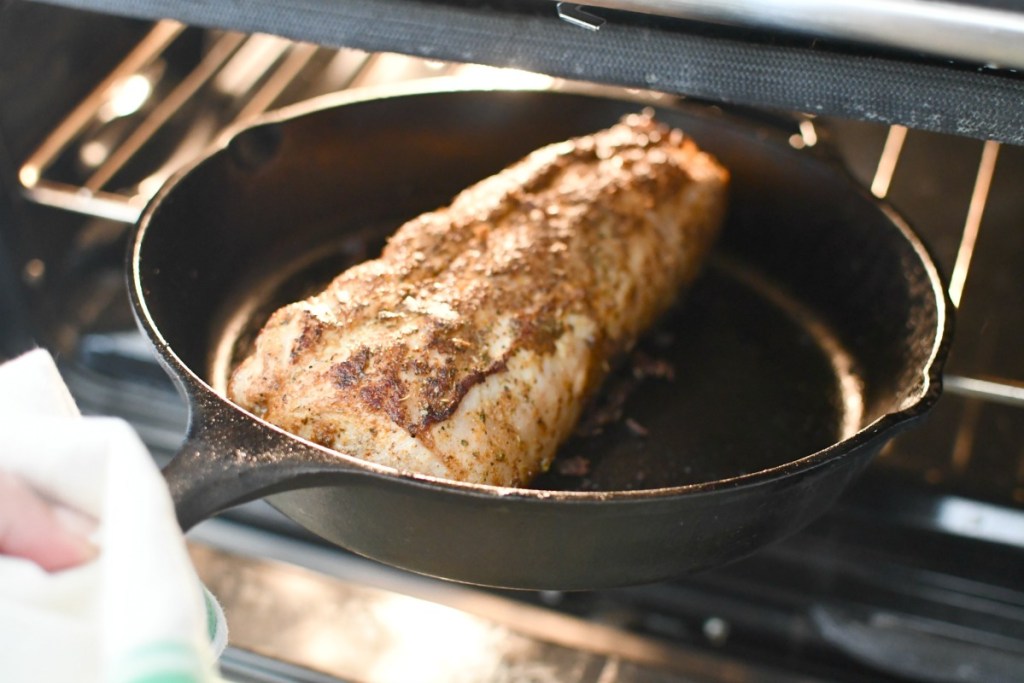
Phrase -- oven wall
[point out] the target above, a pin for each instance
(49, 59)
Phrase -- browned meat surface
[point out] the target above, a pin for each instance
(469, 348)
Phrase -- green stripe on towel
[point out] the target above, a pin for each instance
(165, 662)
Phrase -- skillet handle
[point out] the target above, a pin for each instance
(227, 460)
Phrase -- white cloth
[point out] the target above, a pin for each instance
(137, 611)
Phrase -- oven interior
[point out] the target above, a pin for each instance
(917, 574)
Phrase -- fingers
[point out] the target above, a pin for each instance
(52, 536)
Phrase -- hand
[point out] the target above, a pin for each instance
(31, 527)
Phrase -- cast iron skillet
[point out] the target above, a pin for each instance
(817, 334)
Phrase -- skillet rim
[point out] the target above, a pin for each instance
(885, 426)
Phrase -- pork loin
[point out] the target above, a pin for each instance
(469, 348)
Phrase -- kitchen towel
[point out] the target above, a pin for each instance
(137, 611)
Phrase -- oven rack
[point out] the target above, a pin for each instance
(253, 70)
(236, 77)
